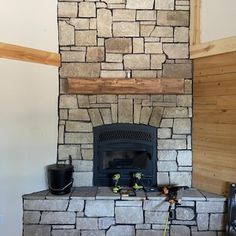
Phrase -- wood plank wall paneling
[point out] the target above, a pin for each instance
(214, 122)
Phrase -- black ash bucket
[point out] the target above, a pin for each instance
(60, 178)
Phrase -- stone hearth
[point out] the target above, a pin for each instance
(92, 211)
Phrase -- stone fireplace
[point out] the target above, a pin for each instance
(126, 39)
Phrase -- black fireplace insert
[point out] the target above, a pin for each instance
(124, 149)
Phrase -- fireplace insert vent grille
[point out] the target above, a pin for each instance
(125, 134)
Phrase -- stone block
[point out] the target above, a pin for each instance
(164, 133)
(93, 23)
(155, 217)
(166, 123)
(76, 205)
(86, 37)
(177, 70)
(84, 193)
(182, 126)
(95, 117)
(45, 205)
(175, 112)
(120, 230)
(80, 70)
(113, 74)
(184, 100)
(137, 61)
(146, 15)
(61, 129)
(125, 111)
(58, 218)
(206, 233)
(79, 114)
(210, 207)
(112, 66)
(82, 165)
(176, 50)
(181, 178)
(151, 232)
(213, 197)
(172, 18)
(129, 203)
(129, 215)
(145, 115)
(95, 54)
(93, 233)
(162, 178)
(118, 45)
(157, 61)
(125, 29)
(78, 138)
(181, 34)
(114, 113)
(179, 230)
(143, 226)
(184, 158)
(164, 4)
(104, 23)
(150, 205)
(153, 48)
(79, 23)
(31, 217)
(68, 101)
(140, 4)
(87, 9)
(185, 213)
(73, 56)
(192, 194)
(87, 153)
(202, 221)
(171, 144)
(86, 223)
(78, 126)
(124, 15)
(83, 101)
(83, 179)
(99, 208)
(107, 98)
(67, 9)
(37, 230)
(111, 57)
(64, 151)
(106, 116)
(66, 232)
(217, 222)
(105, 223)
(166, 166)
(138, 45)
(162, 31)
(146, 30)
(144, 73)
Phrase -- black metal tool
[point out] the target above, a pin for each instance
(231, 228)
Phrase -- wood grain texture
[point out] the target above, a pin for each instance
(15, 52)
(195, 22)
(214, 123)
(125, 86)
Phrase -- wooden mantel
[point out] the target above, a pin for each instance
(125, 86)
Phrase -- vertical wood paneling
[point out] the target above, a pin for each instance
(214, 122)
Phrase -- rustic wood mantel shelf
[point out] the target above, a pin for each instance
(125, 86)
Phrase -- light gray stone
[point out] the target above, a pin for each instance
(202, 221)
(157, 61)
(120, 230)
(68, 101)
(143, 226)
(153, 47)
(67, 9)
(79, 114)
(87, 9)
(177, 70)
(86, 223)
(106, 193)
(184, 100)
(206, 233)
(125, 29)
(156, 116)
(181, 34)
(166, 123)
(83, 179)
(84, 193)
(167, 155)
(37, 230)
(146, 15)
(78, 138)
(113, 74)
(31, 217)
(118, 45)
(78, 126)
(164, 133)
(106, 116)
(166, 166)
(176, 50)
(129, 203)
(184, 213)
(179, 230)
(192, 194)
(210, 207)
(173, 18)
(213, 197)
(105, 223)
(95, 54)
(95, 117)
(87, 153)
(67, 232)
(76, 205)
(106, 98)
(145, 115)
(150, 205)
(114, 113)
(79, 23)
(137, 113)
(171, 144)
(175, 112)
(137, 61)
(154, 217)
(182, 126)
(162, 178)
(140, 4)
(162, 31)
(104, 23)
(129, 215)
(99, 208)
(46, 205)
(164, 4)
(125, 111)
(57, 218)
(86, 38)
(181, 178)
(124, 15)
(73, 56)
(64, 151)
(217, 222)
(184, 158)
(149, 232)
(93, 233)
(82, 165)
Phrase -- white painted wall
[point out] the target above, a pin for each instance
(217, 19)
(28, 107)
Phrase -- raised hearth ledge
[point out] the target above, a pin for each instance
(125, 86)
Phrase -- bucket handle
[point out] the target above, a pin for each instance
(61, 189)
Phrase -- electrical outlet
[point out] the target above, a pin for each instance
(1, 219)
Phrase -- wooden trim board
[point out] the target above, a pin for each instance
(195, 8)
(125, 86)
(15, 52)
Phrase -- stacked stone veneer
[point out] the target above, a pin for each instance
(99, 212)
(121, 39)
